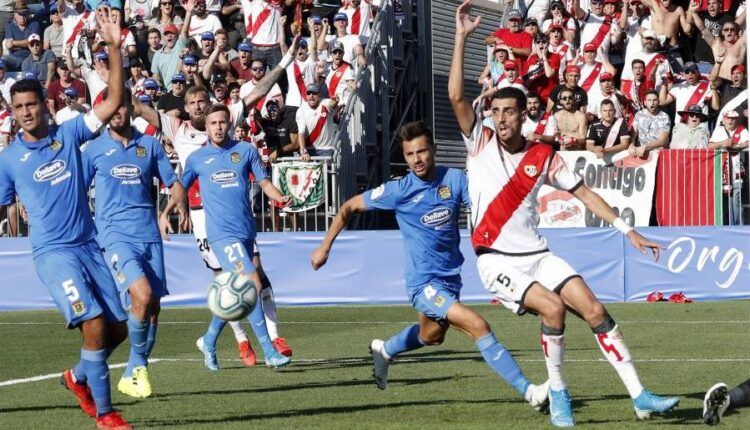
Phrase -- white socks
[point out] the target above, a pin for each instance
(269, 311)
(554, 350)
(614, 349)
(239, 333)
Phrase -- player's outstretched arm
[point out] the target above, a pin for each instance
(265, 84)
(461, 107)
(603, 210)
(320, 254)
(109, 29)
(273, 193)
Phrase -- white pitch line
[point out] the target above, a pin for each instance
(20, 323)
(398, 360)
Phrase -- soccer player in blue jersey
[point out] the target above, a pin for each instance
(427, 203)
(43, 167)
(123, 162)
(223, 166)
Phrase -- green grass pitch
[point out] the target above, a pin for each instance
(679, 349)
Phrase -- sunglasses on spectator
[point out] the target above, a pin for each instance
(693, 115)
(258, 69)
(54, 12)
(312, 92)
(529, 24)
(565, 98)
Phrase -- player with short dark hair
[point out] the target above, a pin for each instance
(427, 203)
(43, 166)
(505, 174)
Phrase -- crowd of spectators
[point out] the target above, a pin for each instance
(169, 46)
(625, 75)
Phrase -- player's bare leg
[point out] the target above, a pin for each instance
(579, 298)
(135, 381)
(551, 310)
(269, 310)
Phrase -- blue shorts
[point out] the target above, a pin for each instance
(132, 261)
(235, 255)
(80, 283)
(434, 298)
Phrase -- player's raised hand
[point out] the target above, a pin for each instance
(644, 245)
(464, 24)
(319, 257)
(109, 27)
(189, 6)
(295, 42)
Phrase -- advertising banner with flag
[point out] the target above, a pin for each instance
(625, 182)
(304, 182)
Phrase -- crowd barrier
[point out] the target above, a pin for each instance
(366, 267)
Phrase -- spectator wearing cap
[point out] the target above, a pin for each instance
(165, 62)
(656, 67)
(596, 28)
(726, 90)
(650, 127)
(691, 132)
(5, 83)
(190, 69)
(607, 91)
(353, 44)
(692, 91)
(263, 29)
(571, 77)
(96, 78)
(40, 62)
(494, 71)
(609, 134)
(207, 46)
(54, 99)
(543, 69)
(339, 80)
(219, 89)
(240, 67)
(730, 134)
(558, 18)
(359, 13)
(163, 15)
(531, 26)
(280, 130)
(16, 42)
(319, 30)
(511, 79)
(136, 79)
(200, 21)
(71, 106)
(299, 74)
(173, 102)
(77, 22)
(591, 69)
(53, 34)
(517, 40)
(151, 89)
(315, 126)
(6, 14)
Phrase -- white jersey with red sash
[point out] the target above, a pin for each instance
(635, 92)
(596, 30)
(518, 83)
(589, 79)
(262, 25)
(317, 124)
(656, 66)
(73, 23)
(337, 79)
(503, 187)
(739, 135)
(546, 125)
(685, 95)
(359, 17)
(95, 84)
(186, 139)
(299, 74)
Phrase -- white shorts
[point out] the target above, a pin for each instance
(509, 277)
(198, 218)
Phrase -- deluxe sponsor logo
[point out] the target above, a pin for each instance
(436, 217)
(47, 171)
(125, 171)
(223, 176)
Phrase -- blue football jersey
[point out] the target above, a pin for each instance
(225, 187)
(123, 177)
(47, 175)
(427, 214)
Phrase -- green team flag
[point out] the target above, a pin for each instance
(303, 182)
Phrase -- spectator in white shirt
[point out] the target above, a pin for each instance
(315, 126)
(730, 134)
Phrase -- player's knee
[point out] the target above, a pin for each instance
(554, 307)
(478, 327)
(595, 314)
(141, 297)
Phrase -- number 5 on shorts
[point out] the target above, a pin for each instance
(230, 250)
(71, 292)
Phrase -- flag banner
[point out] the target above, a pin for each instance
(304, 182)
(625, 182)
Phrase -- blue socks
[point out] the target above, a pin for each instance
(94, 364)
(500, 360)
(151, 338)
(406, 340)
(212, 334)
(258, 322)
(137, 331)
(79, 373)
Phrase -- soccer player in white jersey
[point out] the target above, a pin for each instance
(505, 173)
(187, 137)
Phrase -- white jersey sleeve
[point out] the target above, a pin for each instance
(560, 177)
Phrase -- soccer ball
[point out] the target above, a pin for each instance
(232, 296)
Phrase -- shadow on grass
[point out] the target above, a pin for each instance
(38, 408)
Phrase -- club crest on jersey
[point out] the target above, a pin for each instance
(239, 266)
(530, 170)
(444, 192)
(140, 152)
(439, 301)
(235, 157)
(120, 277)
(55, 145)
(78, 307)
